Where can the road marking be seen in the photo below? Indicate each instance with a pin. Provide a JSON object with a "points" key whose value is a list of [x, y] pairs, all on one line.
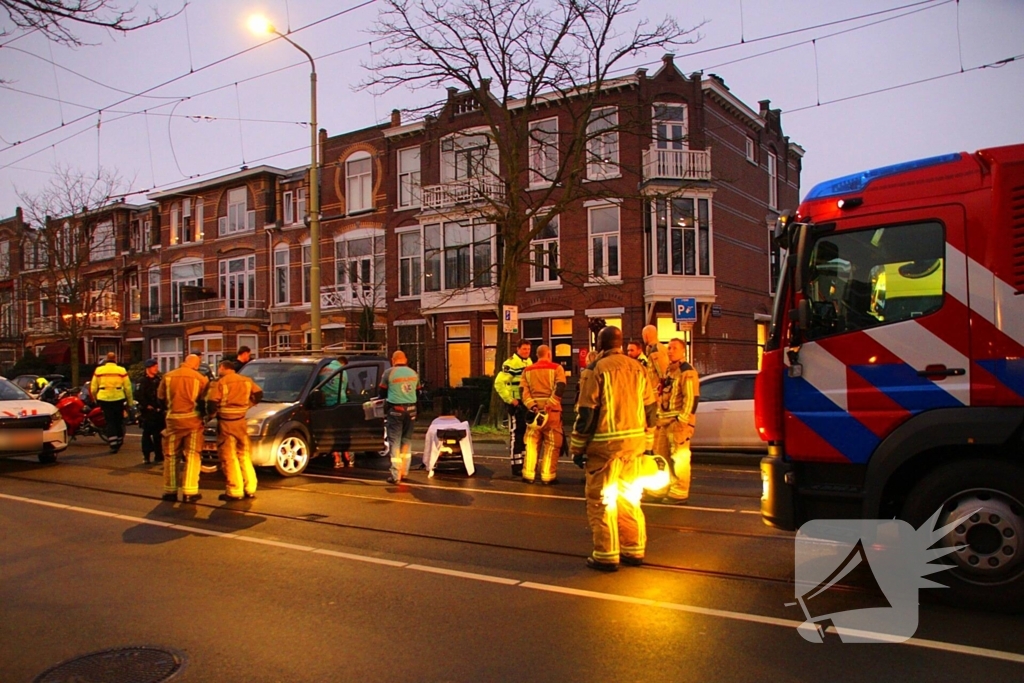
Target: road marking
{"points": [[954, 648]]}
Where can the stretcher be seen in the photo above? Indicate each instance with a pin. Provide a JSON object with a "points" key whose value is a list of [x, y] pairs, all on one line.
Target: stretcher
{"points": [[448, 441]]}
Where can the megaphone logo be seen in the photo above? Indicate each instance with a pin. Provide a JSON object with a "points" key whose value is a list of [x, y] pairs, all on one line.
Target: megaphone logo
{"points": [[890, 558]]}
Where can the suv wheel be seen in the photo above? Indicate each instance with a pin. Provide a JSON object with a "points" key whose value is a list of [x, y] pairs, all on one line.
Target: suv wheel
{"points": [[292, 455]]}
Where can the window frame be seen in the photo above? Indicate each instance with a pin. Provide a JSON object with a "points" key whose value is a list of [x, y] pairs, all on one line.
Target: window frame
{"points": [[104, 247], [364, 180], [409, 178], [593, 277], [603, 146], [541, 251], [414, 276], [669, 142], [543, 151], [773, 181], [369, 268], [279, 270], [245, 218]]}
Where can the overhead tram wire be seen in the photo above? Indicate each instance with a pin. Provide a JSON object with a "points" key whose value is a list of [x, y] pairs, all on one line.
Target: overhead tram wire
{"points": [[216, 62]]}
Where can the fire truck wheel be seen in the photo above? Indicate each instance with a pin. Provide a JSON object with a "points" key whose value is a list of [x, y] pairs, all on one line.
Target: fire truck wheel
{"points": [[988, 570]]}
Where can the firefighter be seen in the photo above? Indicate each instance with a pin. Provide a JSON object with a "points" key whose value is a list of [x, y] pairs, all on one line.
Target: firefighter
{"points": [[543, 384], [507, 386], [182, 391], [399, 387], [616, 406], [230, 397], [657, 355], [112, 389], [678, 395]]}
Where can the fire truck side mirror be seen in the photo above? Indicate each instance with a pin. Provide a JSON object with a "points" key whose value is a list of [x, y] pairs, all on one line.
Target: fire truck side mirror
{"points": [[803, 314]]}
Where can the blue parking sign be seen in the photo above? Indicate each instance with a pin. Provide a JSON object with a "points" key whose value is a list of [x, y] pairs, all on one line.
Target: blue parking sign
{"points": [[684, 309]]}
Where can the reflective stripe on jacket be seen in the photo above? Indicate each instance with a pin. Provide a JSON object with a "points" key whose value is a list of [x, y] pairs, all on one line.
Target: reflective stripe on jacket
{"points": [[110, 382], [540, 386], [507, 381], [679, 394], [233, 394], [618, 393], [181, 389]]}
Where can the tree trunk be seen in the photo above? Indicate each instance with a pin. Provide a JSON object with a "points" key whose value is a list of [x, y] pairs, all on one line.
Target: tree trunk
{"points": [[508, 283]]}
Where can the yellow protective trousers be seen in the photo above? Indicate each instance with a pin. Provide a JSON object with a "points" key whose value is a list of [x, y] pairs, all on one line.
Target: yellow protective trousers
{"points": [[185, 434], [233, 446], [546, 442], [613, 506], [672, 442]]}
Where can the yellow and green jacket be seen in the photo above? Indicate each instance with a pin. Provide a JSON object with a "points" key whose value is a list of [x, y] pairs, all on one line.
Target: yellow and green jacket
{"points": [[110, 382], [679, 394], [616, 406], [507, 381]]}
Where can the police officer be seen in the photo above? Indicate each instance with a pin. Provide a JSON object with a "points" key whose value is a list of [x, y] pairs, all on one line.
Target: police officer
{"points": [[112, 389], [507, 386], [399, 386], [152, 412], [543, 384], [243, 356], [677, 407], [182, 391], [635, 350], [615, 407], [230, 396]]}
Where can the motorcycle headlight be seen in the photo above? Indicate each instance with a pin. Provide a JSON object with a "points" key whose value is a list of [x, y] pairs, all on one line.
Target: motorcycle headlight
{"points": [[254, 426]]}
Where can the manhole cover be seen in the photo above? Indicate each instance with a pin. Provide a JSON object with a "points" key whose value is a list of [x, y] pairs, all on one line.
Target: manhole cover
{"points": [[119, 665]]}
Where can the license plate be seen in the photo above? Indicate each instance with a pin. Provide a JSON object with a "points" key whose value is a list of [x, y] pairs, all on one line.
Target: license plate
{"points": [[21, 440]]}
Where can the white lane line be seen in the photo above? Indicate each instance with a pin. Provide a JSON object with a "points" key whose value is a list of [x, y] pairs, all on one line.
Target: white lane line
{"points": [[954, 648], [359, 558], [464, 575], [90, 511]]}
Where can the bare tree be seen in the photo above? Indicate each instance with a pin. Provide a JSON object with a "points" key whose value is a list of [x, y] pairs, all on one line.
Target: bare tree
{"points": [[510, 58], [55, 18], [71, 224]]}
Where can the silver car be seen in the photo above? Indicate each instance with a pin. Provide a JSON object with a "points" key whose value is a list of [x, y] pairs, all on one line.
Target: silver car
{"points": [[725, 413]]}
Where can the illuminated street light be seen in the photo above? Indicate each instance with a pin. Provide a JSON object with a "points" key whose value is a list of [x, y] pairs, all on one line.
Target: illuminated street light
{"points": [[262, 26]]}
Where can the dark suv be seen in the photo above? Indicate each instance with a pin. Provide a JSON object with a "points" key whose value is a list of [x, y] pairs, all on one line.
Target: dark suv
{"points": [[304, 414]]}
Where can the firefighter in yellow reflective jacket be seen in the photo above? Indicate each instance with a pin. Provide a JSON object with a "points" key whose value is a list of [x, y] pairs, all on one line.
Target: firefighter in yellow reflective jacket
{"points": [[615, 408], [181, 390], [112, 389], [230, 396], [507, 385], [543, 384], [677, 407]]}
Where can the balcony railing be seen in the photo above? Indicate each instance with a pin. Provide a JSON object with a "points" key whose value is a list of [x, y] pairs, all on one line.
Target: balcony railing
{"points": [[344, 297], [44, 325], [677, 164], [107, 320], [463, 192], [208, 309], [151, 314]]}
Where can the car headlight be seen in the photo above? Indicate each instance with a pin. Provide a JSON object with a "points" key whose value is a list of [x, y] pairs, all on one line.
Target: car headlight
{"points": [[55, 418], [254, 426]]}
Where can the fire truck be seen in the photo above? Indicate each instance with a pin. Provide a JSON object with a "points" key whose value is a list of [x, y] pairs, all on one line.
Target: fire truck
{"points": [[892, 383]]}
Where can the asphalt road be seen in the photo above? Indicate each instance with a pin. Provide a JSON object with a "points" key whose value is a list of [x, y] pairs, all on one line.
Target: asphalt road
{"points": [[336, 575]]}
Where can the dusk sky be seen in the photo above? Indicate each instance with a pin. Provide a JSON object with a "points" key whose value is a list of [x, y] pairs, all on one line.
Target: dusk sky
{"points": [[920, 59]]}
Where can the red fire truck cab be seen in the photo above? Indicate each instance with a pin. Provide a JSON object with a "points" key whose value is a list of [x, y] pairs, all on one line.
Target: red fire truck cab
{"points": [[893, 380]]}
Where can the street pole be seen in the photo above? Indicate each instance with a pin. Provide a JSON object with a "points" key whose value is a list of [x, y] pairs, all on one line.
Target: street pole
{"points": [[314, 204]]}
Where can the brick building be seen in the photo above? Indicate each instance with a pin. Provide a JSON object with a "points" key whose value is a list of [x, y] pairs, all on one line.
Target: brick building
{"points": [[687, 182]]}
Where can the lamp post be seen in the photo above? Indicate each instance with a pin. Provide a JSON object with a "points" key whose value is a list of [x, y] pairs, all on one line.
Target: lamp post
{"points": [[261, 25]]}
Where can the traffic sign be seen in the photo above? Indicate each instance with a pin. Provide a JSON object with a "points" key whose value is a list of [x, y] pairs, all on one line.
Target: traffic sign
{"points": [[510, 319], [684, 309]]}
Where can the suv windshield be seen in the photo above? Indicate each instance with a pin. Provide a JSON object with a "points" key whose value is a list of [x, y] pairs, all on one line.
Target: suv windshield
{"points": [[281, 382]]}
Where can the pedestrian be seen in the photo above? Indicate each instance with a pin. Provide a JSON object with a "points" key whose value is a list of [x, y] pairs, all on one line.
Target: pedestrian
{"points": [[678, 396], [182, 391], [657, 355], [399, 386], [543, 384], [616, 405], [335, 393], [243, 356], [152, 412], [506, 383], [635, 350], [112, 389], [229, 398]]}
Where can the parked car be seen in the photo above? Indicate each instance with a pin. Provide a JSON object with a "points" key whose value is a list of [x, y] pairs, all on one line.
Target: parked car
{"points": [[296, 421], [28, 426], [725, 413]]}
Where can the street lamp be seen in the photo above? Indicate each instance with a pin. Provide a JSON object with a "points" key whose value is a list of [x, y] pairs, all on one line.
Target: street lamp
{"points": [[262, 26]]}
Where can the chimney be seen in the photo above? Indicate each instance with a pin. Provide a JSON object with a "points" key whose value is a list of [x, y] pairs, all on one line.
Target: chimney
{"points": [[668, 59], [396, 118], [765, 106], [485, 85]]}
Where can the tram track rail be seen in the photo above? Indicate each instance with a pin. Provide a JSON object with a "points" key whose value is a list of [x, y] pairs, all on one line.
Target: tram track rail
{"points": [[313, 519]]}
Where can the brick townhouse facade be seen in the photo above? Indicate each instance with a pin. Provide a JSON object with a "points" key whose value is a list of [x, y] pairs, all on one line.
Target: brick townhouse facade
{"points": [[690, 183]]}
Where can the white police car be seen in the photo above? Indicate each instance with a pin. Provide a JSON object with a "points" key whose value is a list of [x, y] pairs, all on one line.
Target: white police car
{"points": [[28, 426]]}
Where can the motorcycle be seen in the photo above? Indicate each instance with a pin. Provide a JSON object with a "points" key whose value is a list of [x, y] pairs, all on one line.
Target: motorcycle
{"points": [[82, 416]]}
